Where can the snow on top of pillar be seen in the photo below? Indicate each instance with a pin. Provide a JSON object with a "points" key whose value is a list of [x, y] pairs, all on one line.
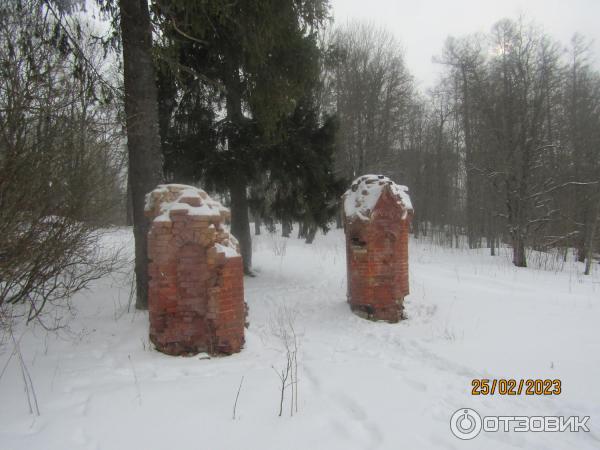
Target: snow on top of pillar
{"points": [[364, 193], [230, 250], [173, 198], [177, 197]]}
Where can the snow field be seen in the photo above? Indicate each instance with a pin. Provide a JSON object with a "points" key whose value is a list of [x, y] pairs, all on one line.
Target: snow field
{"points": [[362, 385]]}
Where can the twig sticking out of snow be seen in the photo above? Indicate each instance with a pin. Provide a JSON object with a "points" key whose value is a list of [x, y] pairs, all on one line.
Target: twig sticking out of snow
{"points": [[237, 396], [135, 378], [27, 382], [283, 328], [283, 377], [132, 291], [294, 403]]}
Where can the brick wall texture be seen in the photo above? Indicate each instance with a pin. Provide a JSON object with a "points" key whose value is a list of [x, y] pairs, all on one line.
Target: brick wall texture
{"points": [[196, 293], [377, 259]]}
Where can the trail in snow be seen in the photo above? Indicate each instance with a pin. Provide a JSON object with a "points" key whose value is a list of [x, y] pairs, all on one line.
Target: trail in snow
{"points": [[362, 385]]}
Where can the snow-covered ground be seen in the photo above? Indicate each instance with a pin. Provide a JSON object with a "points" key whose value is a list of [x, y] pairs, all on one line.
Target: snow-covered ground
{"points": [[362, 385]]}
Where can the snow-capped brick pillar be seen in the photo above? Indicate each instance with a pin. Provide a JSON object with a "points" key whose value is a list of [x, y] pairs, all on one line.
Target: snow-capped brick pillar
{"points": [[377, 214], [195, 293]]}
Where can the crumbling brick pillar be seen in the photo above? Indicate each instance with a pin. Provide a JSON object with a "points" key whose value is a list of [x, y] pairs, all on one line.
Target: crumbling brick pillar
{"points": [[195, 293], [377, 214]]}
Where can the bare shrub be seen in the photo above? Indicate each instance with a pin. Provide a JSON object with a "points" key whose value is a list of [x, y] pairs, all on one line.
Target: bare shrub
{"points": [[60, 164], [279, 247], [283, 328], [45, 260]]}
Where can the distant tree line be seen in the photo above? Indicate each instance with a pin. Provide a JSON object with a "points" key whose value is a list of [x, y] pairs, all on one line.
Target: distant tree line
{"points": [[504, 150]]}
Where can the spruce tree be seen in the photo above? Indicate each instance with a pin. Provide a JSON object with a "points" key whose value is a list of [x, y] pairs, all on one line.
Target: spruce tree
{"points": [[259, 58]]}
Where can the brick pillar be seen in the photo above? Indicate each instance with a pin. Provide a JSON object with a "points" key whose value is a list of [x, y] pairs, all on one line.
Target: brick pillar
{"points": [[377, 213], [196, 293]]}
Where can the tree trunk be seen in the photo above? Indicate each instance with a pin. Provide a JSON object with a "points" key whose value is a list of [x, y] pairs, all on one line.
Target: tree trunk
{"points": [[301, 230], [471, 203], [581, 245], [589, 250], [143, 140], [515, 222], [240, 224], [519, 258], [310, 235], [590, 235], [257, 226], [492, 241], [128, 204], [286, 228]]}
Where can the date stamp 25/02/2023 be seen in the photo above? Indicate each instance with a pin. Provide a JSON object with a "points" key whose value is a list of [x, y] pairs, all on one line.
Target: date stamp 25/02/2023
{"points": [[508, 386]]}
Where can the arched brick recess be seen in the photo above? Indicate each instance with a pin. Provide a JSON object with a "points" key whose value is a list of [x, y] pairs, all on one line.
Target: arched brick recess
{"points": [[196, 294]]}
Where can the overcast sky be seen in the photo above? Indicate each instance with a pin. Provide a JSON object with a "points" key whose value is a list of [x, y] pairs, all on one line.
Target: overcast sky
{"points": [[423, 25]]}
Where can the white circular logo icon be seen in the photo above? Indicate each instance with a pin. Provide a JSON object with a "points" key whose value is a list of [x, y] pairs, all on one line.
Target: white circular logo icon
{"points": [[465, 424]]}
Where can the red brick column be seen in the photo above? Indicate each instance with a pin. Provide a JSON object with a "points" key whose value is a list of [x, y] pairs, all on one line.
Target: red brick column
{"points": [[376, 224], [196, 294]]}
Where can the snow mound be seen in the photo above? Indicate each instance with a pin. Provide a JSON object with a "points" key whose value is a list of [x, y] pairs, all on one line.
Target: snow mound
{"points": [[180, 197], [365, 191]]}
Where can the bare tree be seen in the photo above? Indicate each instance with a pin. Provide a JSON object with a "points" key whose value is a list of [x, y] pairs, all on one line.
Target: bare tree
{"points": [[465, 60], [508, 103], [581, 140], [523, 78], [55, 137], [370, 88]]}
